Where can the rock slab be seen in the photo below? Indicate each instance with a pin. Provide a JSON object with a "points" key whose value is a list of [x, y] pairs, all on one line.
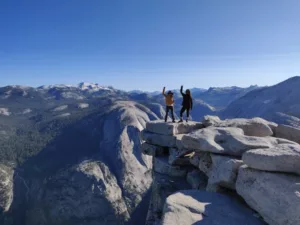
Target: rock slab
{"points": [[288, 132], [159, 139], [251, 127], [282, 158], [161, 127], [225, 140], [199, 207]]}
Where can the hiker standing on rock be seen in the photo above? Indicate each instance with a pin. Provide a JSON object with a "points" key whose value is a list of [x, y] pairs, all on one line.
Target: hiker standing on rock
{"points": [[169, 104], [187, 104]]}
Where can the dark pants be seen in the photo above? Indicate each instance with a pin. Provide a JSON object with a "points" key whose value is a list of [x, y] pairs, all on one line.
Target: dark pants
{"points": [[182, 111], [169, 108]]}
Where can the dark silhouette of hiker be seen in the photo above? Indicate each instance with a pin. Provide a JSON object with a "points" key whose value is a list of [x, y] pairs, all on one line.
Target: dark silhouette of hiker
{"points": [[169, 104], [187, 104]]}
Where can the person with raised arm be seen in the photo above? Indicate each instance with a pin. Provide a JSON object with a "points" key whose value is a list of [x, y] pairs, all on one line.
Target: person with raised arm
{"points": [[169, 99], [187, 104]]}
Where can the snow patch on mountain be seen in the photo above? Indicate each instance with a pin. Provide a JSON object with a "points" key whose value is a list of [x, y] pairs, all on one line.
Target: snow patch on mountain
{"points": [[4, 112], [60, 108], [26, 111], [71, 95], [63, 115], [83, 105], [92, 87]]}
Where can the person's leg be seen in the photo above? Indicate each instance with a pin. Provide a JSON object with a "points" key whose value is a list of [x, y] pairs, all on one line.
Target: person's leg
{"points": [[172, 112], [181, 113], [167, 112], [187, 115]]}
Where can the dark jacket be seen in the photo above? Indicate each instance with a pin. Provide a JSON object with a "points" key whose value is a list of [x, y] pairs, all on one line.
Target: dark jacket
{"points": [[187, 100]]}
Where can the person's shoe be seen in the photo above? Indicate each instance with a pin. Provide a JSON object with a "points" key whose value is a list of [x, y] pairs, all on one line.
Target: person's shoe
{"points": [[180, 121], [173, 121]]}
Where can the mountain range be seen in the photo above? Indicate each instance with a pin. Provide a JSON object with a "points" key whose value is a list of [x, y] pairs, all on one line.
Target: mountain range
{"points": [[69, 154]]}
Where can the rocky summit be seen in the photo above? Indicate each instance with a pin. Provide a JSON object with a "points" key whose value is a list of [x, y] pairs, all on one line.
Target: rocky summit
{"points": [[234, 171], [94, 155]]}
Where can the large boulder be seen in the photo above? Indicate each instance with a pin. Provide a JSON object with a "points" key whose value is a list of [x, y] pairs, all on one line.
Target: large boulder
{"points": [[161, 127], [162, 187], [200, 207], [282, 158], [159, 139], [224, 171], [6, 188], [288, 132], [226, 140], [276, 197], [251, 127], [162, 166]]}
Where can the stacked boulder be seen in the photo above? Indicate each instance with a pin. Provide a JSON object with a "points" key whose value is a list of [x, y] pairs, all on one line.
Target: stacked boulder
{"points": [[171, 163], [248, 158]]}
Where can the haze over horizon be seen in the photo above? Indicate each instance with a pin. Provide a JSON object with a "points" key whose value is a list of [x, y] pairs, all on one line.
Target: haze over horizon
{"points": [[136, 45]]}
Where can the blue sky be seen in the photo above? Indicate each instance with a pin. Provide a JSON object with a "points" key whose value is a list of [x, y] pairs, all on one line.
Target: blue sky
{"points": [[147, 44]]}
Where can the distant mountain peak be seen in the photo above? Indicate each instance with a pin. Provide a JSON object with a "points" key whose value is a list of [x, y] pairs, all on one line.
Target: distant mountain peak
{"points": [[92, 86]]}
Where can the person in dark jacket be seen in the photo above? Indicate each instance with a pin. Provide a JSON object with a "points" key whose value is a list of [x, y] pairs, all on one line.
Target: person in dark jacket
{"points": [[187, 104], [169, 99]]}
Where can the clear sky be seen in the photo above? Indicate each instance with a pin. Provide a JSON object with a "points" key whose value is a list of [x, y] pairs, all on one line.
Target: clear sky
{"points": [[147, 44]]}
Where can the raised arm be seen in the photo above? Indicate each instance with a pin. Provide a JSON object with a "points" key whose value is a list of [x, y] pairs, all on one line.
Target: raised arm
{"points": [[163, 92], [182, 91]]}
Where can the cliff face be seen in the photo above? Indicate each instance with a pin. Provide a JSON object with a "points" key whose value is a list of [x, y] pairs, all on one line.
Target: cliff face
{"points": [[202, 171], [92, 173]]}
